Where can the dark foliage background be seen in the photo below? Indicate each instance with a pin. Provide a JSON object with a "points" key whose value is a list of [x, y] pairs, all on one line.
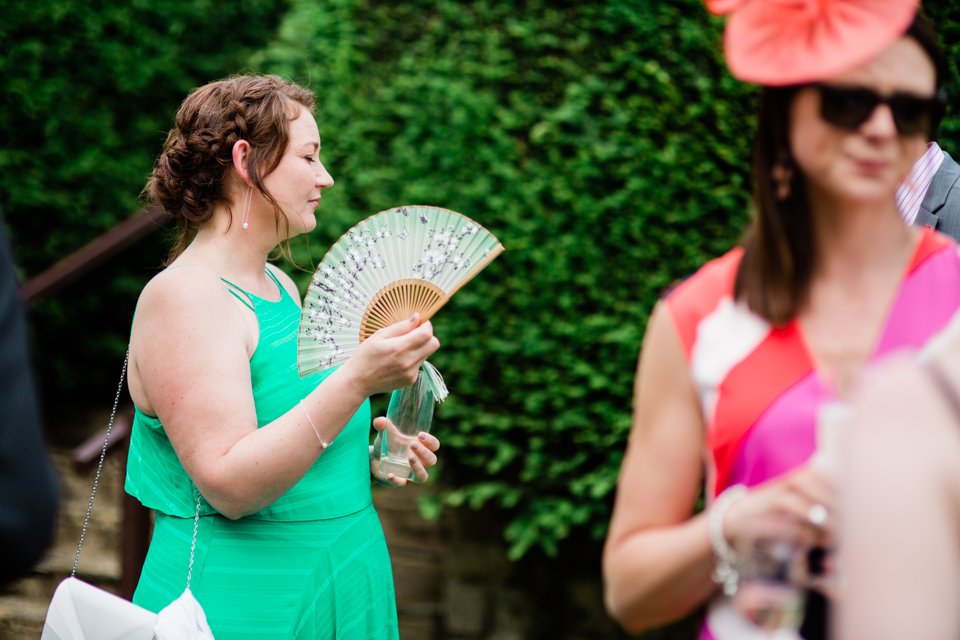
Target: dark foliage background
{"points": [[89, 92], [604, 143]]}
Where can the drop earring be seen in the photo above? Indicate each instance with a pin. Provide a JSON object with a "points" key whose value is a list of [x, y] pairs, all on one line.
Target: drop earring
{"points": [[782, 174], [246, 209]]}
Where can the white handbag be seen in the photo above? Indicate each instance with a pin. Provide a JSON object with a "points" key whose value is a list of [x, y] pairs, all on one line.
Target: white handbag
{"points": [[81, 611]]}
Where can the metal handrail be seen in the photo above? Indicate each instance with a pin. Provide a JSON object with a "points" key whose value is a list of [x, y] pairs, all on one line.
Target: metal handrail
{"points": [[135, 528], [98, 250]]}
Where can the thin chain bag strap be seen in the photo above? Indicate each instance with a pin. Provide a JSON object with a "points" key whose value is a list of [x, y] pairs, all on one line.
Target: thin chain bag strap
{"points": [[103, 455], [81, 610], [105, 612], [193, 542], [96, 482], [184, 618]]}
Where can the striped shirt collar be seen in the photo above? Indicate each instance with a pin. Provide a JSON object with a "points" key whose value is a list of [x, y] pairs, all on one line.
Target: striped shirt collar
{"points": [[911, 191]]}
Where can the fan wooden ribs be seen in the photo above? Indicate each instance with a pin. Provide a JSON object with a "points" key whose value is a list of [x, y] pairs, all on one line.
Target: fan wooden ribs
{"points": [[398, 301]]}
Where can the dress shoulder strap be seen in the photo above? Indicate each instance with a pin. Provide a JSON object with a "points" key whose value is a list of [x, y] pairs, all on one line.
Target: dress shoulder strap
{"points": [[935, 372], [239, 293], [276, 280]]}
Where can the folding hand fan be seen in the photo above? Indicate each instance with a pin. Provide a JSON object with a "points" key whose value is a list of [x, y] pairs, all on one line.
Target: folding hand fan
{"points": [[383, 270]]}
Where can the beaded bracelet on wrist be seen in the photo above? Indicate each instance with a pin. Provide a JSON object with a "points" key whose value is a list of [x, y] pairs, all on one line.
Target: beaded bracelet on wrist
{"points": [[725, 572]]}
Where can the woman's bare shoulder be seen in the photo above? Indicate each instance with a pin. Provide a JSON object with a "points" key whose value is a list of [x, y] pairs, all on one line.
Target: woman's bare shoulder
{"points": [[190, 300], [285, 281], [179, 285]]}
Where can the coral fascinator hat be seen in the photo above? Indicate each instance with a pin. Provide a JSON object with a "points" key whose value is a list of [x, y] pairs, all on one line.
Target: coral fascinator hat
{"points": [[785, 42]]}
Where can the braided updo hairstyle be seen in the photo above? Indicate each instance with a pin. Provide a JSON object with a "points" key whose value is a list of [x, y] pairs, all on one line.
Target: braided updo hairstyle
{"points": [[189, 177]]}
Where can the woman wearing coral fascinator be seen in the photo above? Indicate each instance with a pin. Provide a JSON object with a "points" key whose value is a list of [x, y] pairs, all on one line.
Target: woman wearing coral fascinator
{"points": [[746, 364]]}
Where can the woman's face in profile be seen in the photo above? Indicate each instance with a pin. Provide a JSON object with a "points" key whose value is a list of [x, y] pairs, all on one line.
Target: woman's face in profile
{"points": [[866, 161], [297, 181]]}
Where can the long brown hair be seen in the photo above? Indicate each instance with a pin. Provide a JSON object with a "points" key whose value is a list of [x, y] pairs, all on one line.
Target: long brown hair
{"points": [[190, 176], [779, 247]]}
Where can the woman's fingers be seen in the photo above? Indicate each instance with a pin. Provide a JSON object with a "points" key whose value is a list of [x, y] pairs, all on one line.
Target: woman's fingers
{"points": [[406, 333], [421, 343], [816, 486], [396, 481], [382, 422], [429, 440], [816, 507], [797, 506], [399, 328], [391, 357], [419, 471], [424, 456]]}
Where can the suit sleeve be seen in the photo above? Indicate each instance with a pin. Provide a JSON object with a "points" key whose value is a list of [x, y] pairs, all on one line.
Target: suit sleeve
{"points": [[950, 214], [29, 490]]}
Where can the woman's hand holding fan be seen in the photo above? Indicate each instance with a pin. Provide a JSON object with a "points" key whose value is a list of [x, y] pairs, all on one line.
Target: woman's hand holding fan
{"points": [[391, 357]]}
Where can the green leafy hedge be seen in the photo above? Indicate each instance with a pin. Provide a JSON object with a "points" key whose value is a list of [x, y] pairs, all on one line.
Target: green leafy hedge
{"points": [[607, 147], [602, 142], [90, 91]]}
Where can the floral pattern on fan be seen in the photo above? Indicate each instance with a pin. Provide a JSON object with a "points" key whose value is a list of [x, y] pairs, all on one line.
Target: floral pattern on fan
{"points": [[407, 260]]}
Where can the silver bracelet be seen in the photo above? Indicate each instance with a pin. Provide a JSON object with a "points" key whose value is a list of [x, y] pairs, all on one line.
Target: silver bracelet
{"points": [[323, 444], [725, 572]]}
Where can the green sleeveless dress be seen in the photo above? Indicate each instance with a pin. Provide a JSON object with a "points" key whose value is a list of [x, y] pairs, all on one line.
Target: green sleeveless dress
{"points": [[314, 563]]}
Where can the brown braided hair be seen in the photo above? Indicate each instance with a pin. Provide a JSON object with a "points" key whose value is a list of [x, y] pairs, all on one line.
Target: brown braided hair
{"points": [[189, 177]]}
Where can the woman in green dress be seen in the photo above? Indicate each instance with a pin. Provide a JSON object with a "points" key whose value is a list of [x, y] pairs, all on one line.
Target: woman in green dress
{"points": [[288, 544]]}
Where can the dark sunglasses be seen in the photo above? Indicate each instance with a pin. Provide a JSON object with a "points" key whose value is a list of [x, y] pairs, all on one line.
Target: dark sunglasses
{"points": [[849, 107]]}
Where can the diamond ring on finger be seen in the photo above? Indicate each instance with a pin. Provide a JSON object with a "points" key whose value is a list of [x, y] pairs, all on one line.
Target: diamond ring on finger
{"points": [[817, 515]]}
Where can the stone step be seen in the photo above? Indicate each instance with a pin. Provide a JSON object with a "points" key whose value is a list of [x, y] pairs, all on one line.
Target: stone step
{"points": [[100, 569], [21, 618], [103, 529], [23, 604], [102, 536]]}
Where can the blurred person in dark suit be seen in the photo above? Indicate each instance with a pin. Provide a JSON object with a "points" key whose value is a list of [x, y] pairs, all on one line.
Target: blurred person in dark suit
{"points": [[29, 491]]}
